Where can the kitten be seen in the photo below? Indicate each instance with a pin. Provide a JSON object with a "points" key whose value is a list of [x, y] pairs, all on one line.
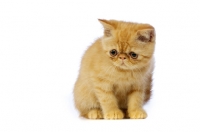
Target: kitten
{"points": [[116, 72]]}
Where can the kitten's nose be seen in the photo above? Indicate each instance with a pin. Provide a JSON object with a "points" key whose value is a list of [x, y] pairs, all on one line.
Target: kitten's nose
{"points": [[122, 56]]}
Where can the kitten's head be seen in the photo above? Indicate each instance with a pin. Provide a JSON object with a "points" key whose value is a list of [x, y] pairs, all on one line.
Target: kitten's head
{"points": [[128, 45]]}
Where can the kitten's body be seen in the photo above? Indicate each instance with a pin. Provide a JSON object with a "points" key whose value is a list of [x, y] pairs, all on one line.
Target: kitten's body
{"points": [[108, 83]]}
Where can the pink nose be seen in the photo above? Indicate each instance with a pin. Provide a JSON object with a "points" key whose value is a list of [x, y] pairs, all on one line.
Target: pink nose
{"points": [[122, 56]]}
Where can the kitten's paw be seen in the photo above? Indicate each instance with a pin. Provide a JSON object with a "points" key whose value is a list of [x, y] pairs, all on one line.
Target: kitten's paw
{"points": [[95, 114], [114, 114], [137, 114]]}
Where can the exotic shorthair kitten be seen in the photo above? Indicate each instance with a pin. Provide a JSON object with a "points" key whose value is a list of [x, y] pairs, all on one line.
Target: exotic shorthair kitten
{"points": [[116, 72]]}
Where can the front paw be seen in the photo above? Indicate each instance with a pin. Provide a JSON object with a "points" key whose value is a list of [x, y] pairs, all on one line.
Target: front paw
{"points": [[114, 114], [137, 114], [95, 114]]}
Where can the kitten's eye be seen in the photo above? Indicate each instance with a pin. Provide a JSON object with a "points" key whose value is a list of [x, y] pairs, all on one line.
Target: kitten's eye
{"points": [[113, 52], [133, 55]]}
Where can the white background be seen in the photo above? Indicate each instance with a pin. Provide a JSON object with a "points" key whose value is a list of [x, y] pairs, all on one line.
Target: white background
{"points": [[41, 45]]}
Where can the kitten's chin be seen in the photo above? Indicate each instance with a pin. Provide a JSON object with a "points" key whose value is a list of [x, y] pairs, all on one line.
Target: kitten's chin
{"points": [[126, 67]]}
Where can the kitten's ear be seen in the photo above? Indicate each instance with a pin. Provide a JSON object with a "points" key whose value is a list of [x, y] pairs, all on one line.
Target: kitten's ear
{"points": [[107, 27], [146, 35]]}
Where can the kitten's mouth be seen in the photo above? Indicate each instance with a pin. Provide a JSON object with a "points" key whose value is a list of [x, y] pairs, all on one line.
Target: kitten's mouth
{"points": [[123, 64]]}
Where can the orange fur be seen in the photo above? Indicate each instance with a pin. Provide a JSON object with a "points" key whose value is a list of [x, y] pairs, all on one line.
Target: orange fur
{"points": [[109, 84]]}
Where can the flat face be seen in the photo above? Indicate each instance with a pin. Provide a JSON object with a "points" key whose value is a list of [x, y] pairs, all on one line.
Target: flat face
{"points": [[129, 45]]}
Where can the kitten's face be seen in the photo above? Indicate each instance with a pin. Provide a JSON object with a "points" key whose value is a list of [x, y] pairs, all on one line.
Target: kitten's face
{"points": [[128, 45]]}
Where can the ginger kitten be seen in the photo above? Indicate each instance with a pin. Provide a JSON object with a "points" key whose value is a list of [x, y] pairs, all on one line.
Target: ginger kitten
{"points": [[116, 72]]}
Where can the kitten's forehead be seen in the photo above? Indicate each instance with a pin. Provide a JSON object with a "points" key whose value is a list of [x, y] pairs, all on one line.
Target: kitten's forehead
{"points": [[125, 39], [124, 36], [126, 31], [123, 46]]}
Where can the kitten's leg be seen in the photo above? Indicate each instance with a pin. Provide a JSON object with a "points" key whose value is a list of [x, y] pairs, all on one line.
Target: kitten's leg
{"points": [[135, 102], [86, 102], [108, 101]]}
